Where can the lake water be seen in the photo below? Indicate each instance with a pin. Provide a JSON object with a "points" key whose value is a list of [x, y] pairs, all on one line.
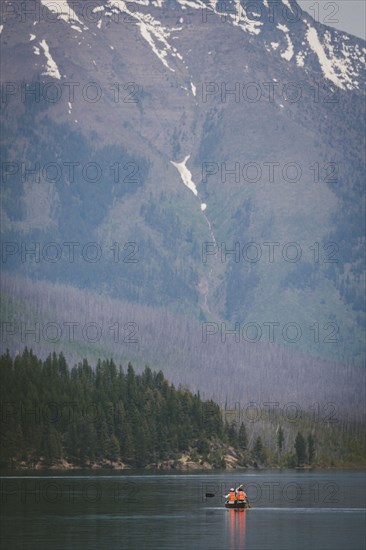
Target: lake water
{"points": [[290, 511]]}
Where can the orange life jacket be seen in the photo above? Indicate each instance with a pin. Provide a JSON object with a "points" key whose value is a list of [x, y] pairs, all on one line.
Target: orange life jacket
{"points": [[242, 495], [232, 496]]}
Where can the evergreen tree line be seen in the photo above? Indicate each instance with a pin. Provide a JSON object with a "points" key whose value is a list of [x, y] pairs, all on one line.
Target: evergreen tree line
{"points": [[304, 448], [85, 415]]}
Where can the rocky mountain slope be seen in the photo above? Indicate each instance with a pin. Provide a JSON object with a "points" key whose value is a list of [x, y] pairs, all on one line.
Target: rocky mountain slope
{"points": [[169, 133]]}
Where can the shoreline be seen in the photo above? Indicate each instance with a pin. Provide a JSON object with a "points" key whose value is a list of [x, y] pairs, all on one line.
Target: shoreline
{"points": [[176, 466]]}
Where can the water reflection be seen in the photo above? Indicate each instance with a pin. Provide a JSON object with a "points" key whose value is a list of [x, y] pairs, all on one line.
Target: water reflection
{"points": [[237, 529]]}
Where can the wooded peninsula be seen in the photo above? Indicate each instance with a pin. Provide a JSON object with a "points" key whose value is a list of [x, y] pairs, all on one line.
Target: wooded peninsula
{"points": [[54, 416]]}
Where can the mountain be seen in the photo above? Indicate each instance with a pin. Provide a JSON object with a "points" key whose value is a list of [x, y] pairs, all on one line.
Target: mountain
{"points": [[143, 141]]}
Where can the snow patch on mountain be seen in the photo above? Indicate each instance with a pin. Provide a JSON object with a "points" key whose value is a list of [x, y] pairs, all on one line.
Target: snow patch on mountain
{"points": [[151, 30], [185, 174], [300, 59], [32, 37], [288, 54], [148, 30], [282, 28], [63, 10], [343, 66], [239, 19], [52, 69], [248, 25], [197, 4], [340, 60], [336, 62], [325, 63], [287, 4]]}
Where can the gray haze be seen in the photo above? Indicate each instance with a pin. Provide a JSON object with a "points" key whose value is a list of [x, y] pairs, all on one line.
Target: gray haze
{"points": [[345, 15]]}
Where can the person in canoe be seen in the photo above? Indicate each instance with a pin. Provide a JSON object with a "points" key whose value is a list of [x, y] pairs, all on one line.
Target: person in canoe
{"points": [[237, 498], [241, 496], [231, 496]]}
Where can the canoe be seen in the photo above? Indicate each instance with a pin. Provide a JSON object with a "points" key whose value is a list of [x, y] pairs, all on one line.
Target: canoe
{"points": [[236, 505]]}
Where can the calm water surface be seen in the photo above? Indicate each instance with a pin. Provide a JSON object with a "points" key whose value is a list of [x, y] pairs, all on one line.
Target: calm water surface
{"points": [[290, 511]]}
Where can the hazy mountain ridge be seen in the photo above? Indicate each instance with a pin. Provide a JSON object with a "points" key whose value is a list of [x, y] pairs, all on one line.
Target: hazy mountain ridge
{"points": [[47, 317]]}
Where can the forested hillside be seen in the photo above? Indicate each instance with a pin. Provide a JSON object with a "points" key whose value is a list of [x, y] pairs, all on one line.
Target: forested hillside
{"points": [[48, 317], [87, 415], [52, 415]]}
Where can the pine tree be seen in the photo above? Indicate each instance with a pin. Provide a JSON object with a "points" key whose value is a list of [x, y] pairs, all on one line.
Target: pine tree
{"points": [[243, 438], [280, 439], [258, 450], [232, 434], [88, 442], [203, 447], [128, 445], [51, 443], [113, 449], [300, 448], [131, 384], [103, 439], [311, 448]]}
